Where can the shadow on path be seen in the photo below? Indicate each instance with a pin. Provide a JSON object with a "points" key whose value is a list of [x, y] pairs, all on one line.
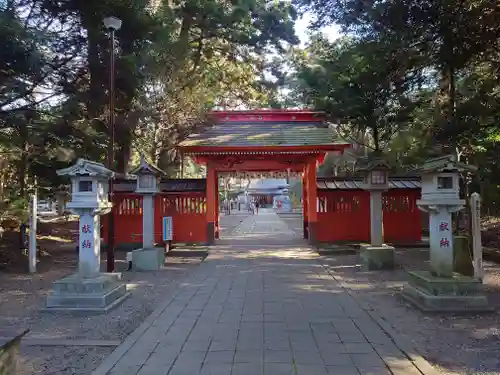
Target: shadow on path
{"points": [[260, 304]]}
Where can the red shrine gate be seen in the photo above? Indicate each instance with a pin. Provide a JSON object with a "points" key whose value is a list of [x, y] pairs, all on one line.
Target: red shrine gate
{"points": [[263, 142], [279, 144]]}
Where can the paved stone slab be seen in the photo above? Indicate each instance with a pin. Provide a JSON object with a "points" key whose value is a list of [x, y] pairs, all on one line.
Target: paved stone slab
{"points": [[260, 304]]}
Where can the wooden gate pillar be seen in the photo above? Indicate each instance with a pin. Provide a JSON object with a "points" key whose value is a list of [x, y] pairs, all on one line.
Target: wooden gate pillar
{"points": [[211, 191], [304, 203], [312, 210], [217, 207]]}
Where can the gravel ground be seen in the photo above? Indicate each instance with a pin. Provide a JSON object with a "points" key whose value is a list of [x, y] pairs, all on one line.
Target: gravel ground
{"points": [[22, 297], [454, 344], [62, 360], [461, 345]]}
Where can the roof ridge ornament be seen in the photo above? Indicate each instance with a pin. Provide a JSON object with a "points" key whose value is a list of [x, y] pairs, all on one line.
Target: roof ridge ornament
{"points": [[84, 167], [146, 167]]}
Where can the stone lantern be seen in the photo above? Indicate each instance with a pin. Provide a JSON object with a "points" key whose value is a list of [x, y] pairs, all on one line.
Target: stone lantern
{"points": [[148, 181], [376, 255], [88, 289], [148, 177], [440, 197], [440, 289]]}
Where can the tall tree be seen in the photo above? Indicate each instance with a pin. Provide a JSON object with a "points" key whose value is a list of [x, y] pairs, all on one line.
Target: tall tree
{"points": [[443, 36], [358, 87]]}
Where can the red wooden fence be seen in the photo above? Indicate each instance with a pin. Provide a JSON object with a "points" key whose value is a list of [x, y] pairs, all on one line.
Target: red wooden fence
{"points": [[184, 200], [127, 210], [188, 211], [344, 215], [402, 218]]}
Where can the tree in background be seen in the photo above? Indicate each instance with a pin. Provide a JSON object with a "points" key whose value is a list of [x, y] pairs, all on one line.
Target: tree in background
{"points": [[358, 87], [438, 56], [175, 61]]}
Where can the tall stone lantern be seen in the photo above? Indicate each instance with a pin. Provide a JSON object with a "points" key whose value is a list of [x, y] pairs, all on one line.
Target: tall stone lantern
{"points": [[376, 255], [88, 289], [440, 289], [148, 181]]}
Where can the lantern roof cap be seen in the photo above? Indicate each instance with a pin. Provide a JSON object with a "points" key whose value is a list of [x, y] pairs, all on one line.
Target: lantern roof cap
{"points": [[146, 167], [84, 167], [446, 163], [375, 161]]}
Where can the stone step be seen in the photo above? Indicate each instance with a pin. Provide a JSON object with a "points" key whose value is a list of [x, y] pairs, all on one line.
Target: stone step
{"points": [[88, 301], [456, 285], [445, 303]]}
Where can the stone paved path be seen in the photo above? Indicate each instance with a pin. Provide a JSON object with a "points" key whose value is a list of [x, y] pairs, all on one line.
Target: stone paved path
{"points": [[257, 307]]}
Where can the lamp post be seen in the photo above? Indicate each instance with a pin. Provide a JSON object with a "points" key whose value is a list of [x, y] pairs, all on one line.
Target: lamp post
{"points": [[112, 24]]}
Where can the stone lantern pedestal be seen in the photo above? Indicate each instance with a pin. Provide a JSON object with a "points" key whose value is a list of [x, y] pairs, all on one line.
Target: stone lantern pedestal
{"points": [[441, 289], [89, 290]]}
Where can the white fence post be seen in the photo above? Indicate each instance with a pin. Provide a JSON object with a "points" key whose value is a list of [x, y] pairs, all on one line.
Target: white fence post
{"points": [[32, 238]]}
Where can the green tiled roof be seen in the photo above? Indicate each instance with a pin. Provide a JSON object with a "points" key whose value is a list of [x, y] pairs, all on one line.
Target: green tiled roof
{"points": [[245, 134]]}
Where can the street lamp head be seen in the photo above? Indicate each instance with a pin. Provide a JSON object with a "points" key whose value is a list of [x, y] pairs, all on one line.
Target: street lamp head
{"points": [[112, 23]]}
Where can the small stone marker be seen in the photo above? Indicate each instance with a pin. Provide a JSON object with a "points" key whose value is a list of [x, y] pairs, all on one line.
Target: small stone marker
{"points": [[477, 247]]}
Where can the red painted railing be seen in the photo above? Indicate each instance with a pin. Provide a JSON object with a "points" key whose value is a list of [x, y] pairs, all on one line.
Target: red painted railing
{"points": [[402, 218], [344, 215], [127, 210], [188, 212], [189, 216]]}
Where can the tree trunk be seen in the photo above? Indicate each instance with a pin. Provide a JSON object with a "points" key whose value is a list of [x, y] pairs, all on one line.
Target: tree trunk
{"points": [[123, 149], [445, 107], [97, 88]]}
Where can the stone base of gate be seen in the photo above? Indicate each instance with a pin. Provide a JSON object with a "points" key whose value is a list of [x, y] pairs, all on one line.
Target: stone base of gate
{"points": [[210, 233], [92, 295], [456, 294], [152, 259], [377, 257], [312, 236], [333, 249]]}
